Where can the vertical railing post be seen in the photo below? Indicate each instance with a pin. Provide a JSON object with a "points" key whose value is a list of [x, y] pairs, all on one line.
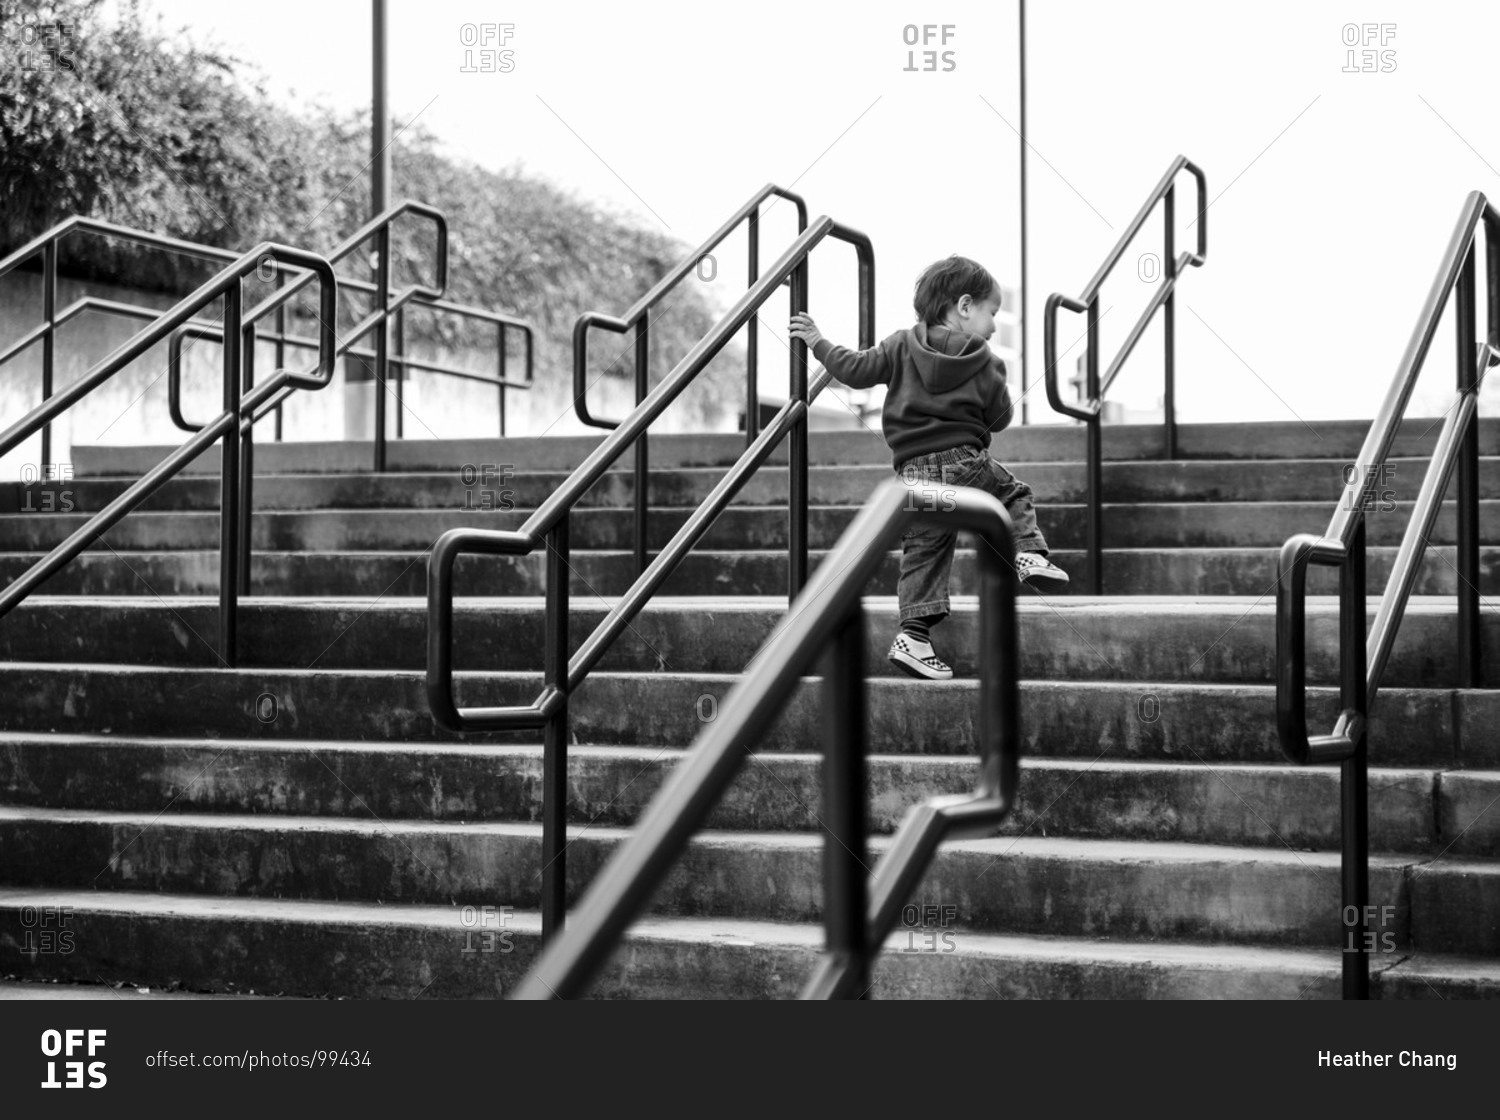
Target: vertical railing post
{"points": [[642, 452], [382, 338], [752, 339], [845, 874], [1095, 456], [49, 312], [503, 362], [555, 737], [400, 362], [796, 558], [229, 483], [280, 339], [1169, 322], [1467, 496], [246, 466], [1354, 779]]}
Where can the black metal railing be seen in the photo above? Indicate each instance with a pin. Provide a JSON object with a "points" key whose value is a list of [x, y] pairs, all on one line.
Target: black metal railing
{"points": [[1362, 659], [53, 320], [1091, 410], [240, 401], [549, 524], [637, 319], [827, 619]]}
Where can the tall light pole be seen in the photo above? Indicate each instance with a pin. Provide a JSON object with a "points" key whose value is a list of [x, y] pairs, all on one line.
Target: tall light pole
{"points": [[380, 116], [1025, 291]]}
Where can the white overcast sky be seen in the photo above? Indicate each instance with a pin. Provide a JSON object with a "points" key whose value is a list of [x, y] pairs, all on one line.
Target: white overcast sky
{"points": [[1333, 192]]}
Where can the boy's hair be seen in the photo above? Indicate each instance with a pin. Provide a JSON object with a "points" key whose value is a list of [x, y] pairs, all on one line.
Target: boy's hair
{"points": [[940, 285]]}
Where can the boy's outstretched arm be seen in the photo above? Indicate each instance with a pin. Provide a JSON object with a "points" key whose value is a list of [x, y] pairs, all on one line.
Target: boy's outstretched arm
{"points": [[858, 369]]}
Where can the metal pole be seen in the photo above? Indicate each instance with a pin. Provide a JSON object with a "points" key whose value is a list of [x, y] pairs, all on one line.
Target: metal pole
{"points": [[280, 340], [380, 180], [1025, 357], [845, 876], [555, 738], [796, 553], [247, 468], [1169, 323], [229, 484], [752, 340], [1095, 465], [1354, 780], [382, 339], [380, 115], [400, 364], [642, 453], [49, 312], [501, 328], [1467, 496]]}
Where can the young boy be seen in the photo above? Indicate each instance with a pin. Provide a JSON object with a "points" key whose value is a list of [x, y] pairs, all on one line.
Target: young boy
{"points": [[946, 395]]}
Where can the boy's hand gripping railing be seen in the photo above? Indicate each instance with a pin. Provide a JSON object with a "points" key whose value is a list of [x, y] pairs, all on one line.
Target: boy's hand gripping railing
{"points": [[827, 620], [1362, 664], [239, 401], [1088, 303], [549, 523], [637, 319]]}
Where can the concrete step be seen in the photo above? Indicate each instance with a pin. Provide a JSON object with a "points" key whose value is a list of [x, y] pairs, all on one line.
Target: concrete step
{"points": [[1118, 720], [1026, 885], [1144, 525], [1290, 439], [363, 950], [1162, 571], [1276, 805], [1079, 638], [1313, 480]]}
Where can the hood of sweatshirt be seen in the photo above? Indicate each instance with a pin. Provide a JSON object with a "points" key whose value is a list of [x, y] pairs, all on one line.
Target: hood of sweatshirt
{"points": [[946, 358]]}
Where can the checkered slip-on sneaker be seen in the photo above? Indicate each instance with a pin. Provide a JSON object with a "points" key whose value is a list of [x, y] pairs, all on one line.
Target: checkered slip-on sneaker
{"points": [[1032, 567], [914, 656]]}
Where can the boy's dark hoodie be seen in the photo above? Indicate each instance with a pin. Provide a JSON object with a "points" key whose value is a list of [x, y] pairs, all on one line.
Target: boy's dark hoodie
{"points": [[946, 388]]}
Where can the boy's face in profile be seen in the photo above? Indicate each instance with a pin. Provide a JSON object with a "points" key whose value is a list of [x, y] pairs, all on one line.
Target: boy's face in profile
{"points": [[975, 316]]}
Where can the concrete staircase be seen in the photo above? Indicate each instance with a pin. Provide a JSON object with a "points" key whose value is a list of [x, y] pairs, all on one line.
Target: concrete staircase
{"points": [[299, 824]]}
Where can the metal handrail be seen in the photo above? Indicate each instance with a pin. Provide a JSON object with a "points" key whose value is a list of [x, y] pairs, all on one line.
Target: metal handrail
{"points": [[1090, 411], [208, 332], [549, 523], [637, 318], [378, 227], [828, 616], [1362, 657], [46, 243], [240, 398]]}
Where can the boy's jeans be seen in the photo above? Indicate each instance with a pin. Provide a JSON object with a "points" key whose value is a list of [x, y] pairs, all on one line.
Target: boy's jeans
{"points": [[927, 552]]}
